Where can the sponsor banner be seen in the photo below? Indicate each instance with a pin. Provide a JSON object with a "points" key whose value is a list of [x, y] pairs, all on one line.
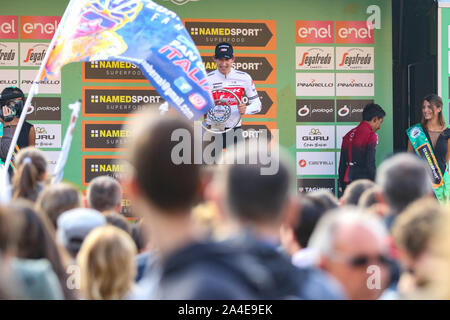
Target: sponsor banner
{"points": [[52, 157], [314, 31], [355, 84], [268, 98], [315, 84], [9, 54], [354, 32], [112, 71], [241, 34], [48, 108], [351, 58], [9, 78], [104, 135], [315, 110], [261, 67], [314, 58], [118, 101], [310, 185], [252, 130], [341, 131], [38, 27], [95, 166], [350, 110], [48, 135], [315, 163], [45, 86], [32, 53], [315, 137], [9, 27], [126, 209]]}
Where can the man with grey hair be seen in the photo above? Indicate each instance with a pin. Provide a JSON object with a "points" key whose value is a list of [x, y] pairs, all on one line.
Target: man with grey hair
{"points": [[105, 195], [351, 248], [403, 179]]}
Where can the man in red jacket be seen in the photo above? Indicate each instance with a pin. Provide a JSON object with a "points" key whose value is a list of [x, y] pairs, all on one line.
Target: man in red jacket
{"points": [[358, 148]]}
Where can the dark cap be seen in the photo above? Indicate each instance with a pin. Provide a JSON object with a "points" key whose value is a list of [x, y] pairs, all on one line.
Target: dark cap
{"points": [[224, 50]]}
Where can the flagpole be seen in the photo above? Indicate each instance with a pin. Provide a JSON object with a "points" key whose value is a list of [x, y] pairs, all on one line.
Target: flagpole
{"points": [[34, 87]]}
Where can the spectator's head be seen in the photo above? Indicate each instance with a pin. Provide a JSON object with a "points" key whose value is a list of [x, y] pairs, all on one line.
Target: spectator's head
{"points": [[252, 198], [403, 179], [36, 242], [348, 241], [328, 199], [140, 236], [56, 199], [104, 194], [432, 108], [373, 114], [370, 197], [169, 188], [31, 166], [413, 230], [297, 237], [354, 191], [118, 221], [107, 264], [74, 225]]}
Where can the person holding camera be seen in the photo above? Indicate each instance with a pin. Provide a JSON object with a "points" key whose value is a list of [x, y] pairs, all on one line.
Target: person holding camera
{"points": [[12, 100]]}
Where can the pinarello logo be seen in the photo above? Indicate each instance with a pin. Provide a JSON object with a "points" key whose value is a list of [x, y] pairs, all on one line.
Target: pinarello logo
{"points": [[302, 163], [197, 100], [354, 32], [38, 27], [9, 27], [314, 31]]}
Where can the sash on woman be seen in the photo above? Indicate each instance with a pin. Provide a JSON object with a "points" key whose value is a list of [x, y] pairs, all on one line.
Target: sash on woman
{"points": [[421, 145]]}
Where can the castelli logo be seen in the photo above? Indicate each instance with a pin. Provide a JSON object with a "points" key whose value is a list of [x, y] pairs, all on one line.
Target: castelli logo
{"points": [[38, 27], [302, 163], [8, 27], [315, 31], [354, 32]]}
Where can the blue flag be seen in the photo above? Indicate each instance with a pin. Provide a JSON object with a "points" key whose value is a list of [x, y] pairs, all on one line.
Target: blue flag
{"points": [[143, 33]]}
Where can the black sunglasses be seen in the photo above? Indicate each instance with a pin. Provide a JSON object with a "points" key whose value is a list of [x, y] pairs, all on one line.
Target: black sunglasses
{"points": [[362, 260]]}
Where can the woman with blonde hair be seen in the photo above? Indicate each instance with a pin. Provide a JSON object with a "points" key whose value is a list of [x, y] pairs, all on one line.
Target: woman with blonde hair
{"points": [[107, 264]]}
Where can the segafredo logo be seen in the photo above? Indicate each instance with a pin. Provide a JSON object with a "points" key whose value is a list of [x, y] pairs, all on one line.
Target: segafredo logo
{"points": [[8, 54], [317, 58], [181, 2], [354, 58], [32, 54]]}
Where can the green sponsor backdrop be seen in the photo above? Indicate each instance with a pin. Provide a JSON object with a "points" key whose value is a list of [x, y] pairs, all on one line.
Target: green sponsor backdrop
{"points": [[284, 13]]}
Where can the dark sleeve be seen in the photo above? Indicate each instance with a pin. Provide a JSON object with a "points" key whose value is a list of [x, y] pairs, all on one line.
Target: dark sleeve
{"points": [[342, 165], [5, 141], [371, 149]]}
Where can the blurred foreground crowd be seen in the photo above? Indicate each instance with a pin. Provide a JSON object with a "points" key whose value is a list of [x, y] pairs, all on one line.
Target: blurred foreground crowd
{"points": [[221, 231]]}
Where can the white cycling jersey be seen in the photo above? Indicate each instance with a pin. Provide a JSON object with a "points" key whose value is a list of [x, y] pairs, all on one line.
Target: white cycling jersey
{"points": [[238, 82]]}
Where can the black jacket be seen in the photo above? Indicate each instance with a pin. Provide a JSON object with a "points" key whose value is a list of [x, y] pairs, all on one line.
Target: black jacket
{"points": [[281, 279], [209, 271]]}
